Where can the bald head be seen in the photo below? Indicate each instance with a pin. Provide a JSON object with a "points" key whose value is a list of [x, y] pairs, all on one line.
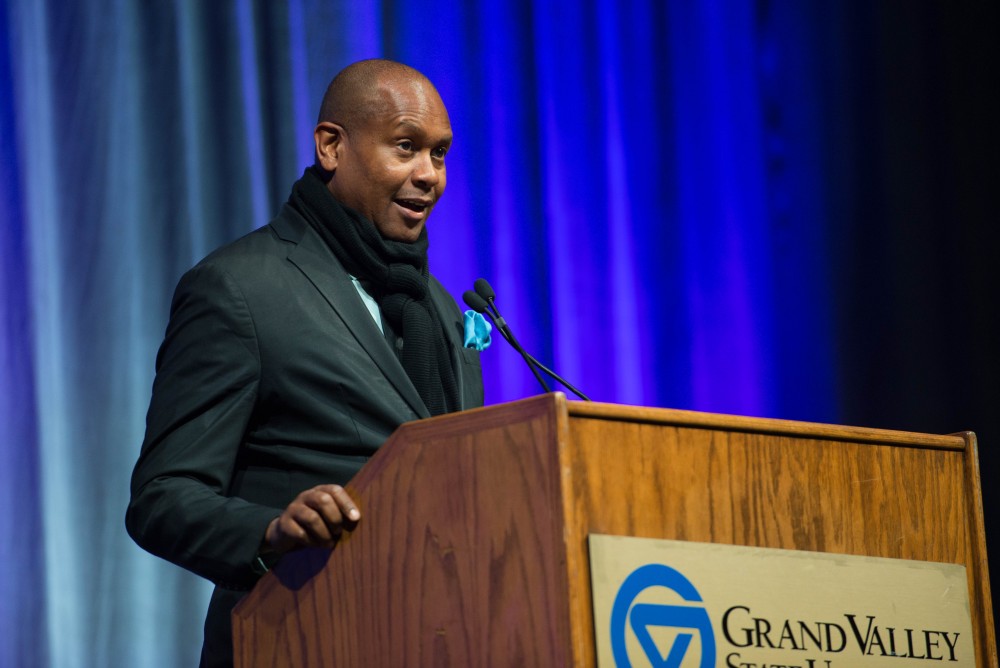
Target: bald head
{"points": [[364, 90], [381, 141]]}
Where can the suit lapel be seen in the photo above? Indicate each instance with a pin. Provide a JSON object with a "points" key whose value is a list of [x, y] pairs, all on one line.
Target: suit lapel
{"points": [[454, 335], [324, 271]]}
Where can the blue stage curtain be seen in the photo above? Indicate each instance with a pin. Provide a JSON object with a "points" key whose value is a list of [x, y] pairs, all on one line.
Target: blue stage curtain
{"points": [[653, 188]]}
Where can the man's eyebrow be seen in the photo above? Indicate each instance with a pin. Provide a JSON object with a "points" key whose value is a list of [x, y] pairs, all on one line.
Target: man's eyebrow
{"points": [[416, 128]]}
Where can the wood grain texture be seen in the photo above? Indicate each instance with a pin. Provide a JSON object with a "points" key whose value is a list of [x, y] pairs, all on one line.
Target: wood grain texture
{"points": [[769, 483], [978, 566], [458, 560], [472, 549]]}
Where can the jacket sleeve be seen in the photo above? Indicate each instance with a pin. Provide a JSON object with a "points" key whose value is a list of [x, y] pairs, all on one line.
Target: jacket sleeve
{"points": [[206, 386]]}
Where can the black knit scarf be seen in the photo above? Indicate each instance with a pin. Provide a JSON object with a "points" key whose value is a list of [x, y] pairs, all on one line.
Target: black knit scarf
{"points": [[397, 274]]}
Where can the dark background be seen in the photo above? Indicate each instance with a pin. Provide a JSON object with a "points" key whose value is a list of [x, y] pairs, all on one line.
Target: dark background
{"points": [[916, 278]]}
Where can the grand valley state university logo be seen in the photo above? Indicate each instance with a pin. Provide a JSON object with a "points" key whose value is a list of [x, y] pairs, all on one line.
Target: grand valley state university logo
{"points": [[684, 620], [795, 609]]}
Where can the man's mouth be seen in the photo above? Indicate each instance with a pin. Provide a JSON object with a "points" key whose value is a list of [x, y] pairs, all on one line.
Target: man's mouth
{"points": [[415, 205]]}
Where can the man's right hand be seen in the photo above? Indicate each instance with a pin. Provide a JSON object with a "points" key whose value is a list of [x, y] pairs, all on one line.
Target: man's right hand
{"points": [[316, 518]]}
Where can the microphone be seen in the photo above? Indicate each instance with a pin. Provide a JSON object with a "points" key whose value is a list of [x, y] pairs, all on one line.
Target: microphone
{"points": [[479, 302], [484, 289], [475, 302], [483, 300]]}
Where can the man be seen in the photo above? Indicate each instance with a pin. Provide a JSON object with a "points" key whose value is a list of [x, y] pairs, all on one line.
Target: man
{"points": [[294, 352]]}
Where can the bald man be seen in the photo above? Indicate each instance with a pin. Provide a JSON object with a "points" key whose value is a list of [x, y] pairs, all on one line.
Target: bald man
{"points": [[294, 352]]}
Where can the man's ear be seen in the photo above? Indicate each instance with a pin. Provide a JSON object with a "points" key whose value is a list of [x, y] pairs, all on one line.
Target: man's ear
{"points": [[329, 138]]}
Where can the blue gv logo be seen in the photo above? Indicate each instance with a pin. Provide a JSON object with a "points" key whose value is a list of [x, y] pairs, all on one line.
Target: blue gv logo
{"points": [[642, 616]]}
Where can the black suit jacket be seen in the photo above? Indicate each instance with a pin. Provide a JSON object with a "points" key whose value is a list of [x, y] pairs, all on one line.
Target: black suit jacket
{"points": [[273, 377]]}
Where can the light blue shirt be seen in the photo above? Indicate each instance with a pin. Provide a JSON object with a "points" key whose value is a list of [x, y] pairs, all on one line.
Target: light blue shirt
{"points": [[370, 303]]}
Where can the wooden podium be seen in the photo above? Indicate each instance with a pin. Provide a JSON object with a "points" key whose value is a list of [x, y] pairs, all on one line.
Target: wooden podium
{"points": [[472, 550]]}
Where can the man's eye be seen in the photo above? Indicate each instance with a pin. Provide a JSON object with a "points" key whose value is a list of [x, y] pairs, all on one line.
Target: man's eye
{"points": [[440, 152], [405, 145]]}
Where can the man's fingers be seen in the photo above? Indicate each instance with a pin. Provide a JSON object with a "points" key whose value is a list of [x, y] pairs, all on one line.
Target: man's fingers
{"points": [[316, 518], [345, 504], [314, 523], [327, 505]]}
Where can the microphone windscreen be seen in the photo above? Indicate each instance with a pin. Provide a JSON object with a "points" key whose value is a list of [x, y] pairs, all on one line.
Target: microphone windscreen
{"points": [[484, 289], [474, 301]]}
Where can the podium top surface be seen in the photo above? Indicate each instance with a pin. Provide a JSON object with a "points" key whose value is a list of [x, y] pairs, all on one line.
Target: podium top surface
{"points": [[676, 417]]}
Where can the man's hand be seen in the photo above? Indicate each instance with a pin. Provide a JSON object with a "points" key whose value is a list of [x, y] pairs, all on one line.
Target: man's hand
{"points": [[316, 518]]}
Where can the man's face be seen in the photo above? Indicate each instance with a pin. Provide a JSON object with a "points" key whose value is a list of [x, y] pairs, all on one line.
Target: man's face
{"points": [[391, 167]]}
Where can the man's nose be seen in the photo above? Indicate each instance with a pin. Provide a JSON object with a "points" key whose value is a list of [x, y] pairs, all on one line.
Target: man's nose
{"points": [[426, 173]]}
